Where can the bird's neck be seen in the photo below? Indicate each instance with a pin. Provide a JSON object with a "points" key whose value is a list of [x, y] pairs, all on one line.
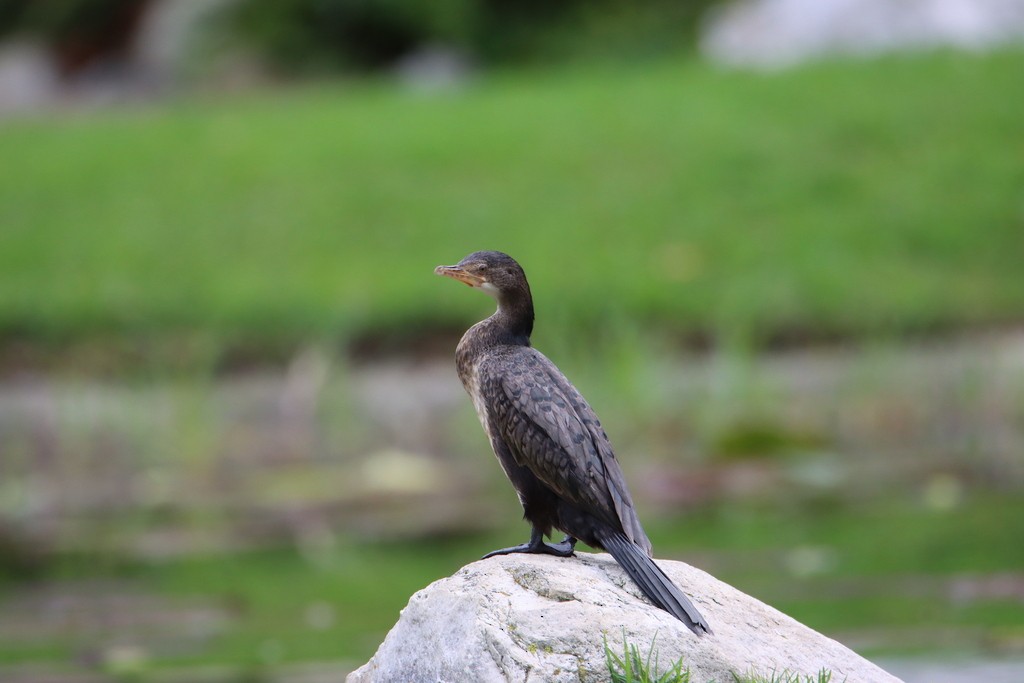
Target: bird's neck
{"points": [[510, 325], [513, 321]]}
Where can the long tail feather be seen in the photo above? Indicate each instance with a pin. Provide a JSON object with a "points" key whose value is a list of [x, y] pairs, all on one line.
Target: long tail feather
{"points": [[652, 581]]}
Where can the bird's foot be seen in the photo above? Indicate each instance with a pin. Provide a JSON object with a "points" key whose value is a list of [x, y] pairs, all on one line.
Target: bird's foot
{"points": [[537, 546]]}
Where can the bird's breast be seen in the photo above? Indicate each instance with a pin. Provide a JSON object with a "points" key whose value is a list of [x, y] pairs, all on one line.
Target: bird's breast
{"points": [[468, 365], [473, 388]]}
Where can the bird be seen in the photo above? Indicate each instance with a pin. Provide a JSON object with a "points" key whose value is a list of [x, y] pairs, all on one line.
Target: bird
{"points": [[548, 440]]}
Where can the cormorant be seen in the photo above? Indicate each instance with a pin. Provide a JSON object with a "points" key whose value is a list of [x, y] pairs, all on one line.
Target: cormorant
{"points": [[548, 439]]}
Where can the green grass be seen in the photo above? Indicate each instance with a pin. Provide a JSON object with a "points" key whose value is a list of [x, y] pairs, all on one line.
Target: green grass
{"points": [[823, 676], [839, 198], [634, 667]]}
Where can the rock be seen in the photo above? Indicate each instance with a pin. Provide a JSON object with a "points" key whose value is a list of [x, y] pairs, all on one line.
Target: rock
{"points": [[775, 33], [434, 68], [167, 38], [28, 77], [542, 618]]}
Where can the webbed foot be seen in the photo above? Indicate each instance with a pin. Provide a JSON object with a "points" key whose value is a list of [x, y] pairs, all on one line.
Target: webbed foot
{"points": [[536, 545]]}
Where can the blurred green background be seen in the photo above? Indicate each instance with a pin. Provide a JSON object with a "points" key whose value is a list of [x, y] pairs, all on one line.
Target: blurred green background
{"points": [[232, 442]]}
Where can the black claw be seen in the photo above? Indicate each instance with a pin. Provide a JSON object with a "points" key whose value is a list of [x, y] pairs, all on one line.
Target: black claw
{"points": [[524, 548]]}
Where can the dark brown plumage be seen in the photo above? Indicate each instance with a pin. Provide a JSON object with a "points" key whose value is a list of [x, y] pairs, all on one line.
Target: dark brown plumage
{"points": [[547, 438]]}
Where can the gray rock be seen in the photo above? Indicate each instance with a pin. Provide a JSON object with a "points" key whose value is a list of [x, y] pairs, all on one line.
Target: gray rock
{"points": [[775, 33], [434, 68], [540, 618], [28, 77], [167, 38]]}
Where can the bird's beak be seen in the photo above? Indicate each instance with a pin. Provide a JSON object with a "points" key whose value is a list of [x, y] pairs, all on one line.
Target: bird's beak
{"points": [[457, 273]]}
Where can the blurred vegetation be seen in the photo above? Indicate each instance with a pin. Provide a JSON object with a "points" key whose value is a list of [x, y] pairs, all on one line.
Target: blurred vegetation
{"points": [[649, 204], [365, 34], [271, 607], [357, 35], [77, 30], [833, 200], [63, 19], [234, 522], [11, 15]]}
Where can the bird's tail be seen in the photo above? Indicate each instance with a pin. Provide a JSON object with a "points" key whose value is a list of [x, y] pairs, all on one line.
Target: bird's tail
{"points": [[653, 582]]}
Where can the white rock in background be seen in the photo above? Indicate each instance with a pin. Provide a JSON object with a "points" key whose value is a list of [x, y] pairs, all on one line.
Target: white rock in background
{"points": [[542, 618], [28, 77], [166, 37], [773, 33], [434, 68]]}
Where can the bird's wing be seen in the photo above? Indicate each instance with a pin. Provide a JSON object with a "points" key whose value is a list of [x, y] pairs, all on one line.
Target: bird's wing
{"points": [[552, 430]]}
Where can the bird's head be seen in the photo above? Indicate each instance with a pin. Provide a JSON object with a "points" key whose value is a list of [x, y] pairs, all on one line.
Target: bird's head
{"points": [[492, 272]]}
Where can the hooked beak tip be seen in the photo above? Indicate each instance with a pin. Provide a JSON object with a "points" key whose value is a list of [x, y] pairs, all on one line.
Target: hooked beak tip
{"points": [[457, 273]]}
